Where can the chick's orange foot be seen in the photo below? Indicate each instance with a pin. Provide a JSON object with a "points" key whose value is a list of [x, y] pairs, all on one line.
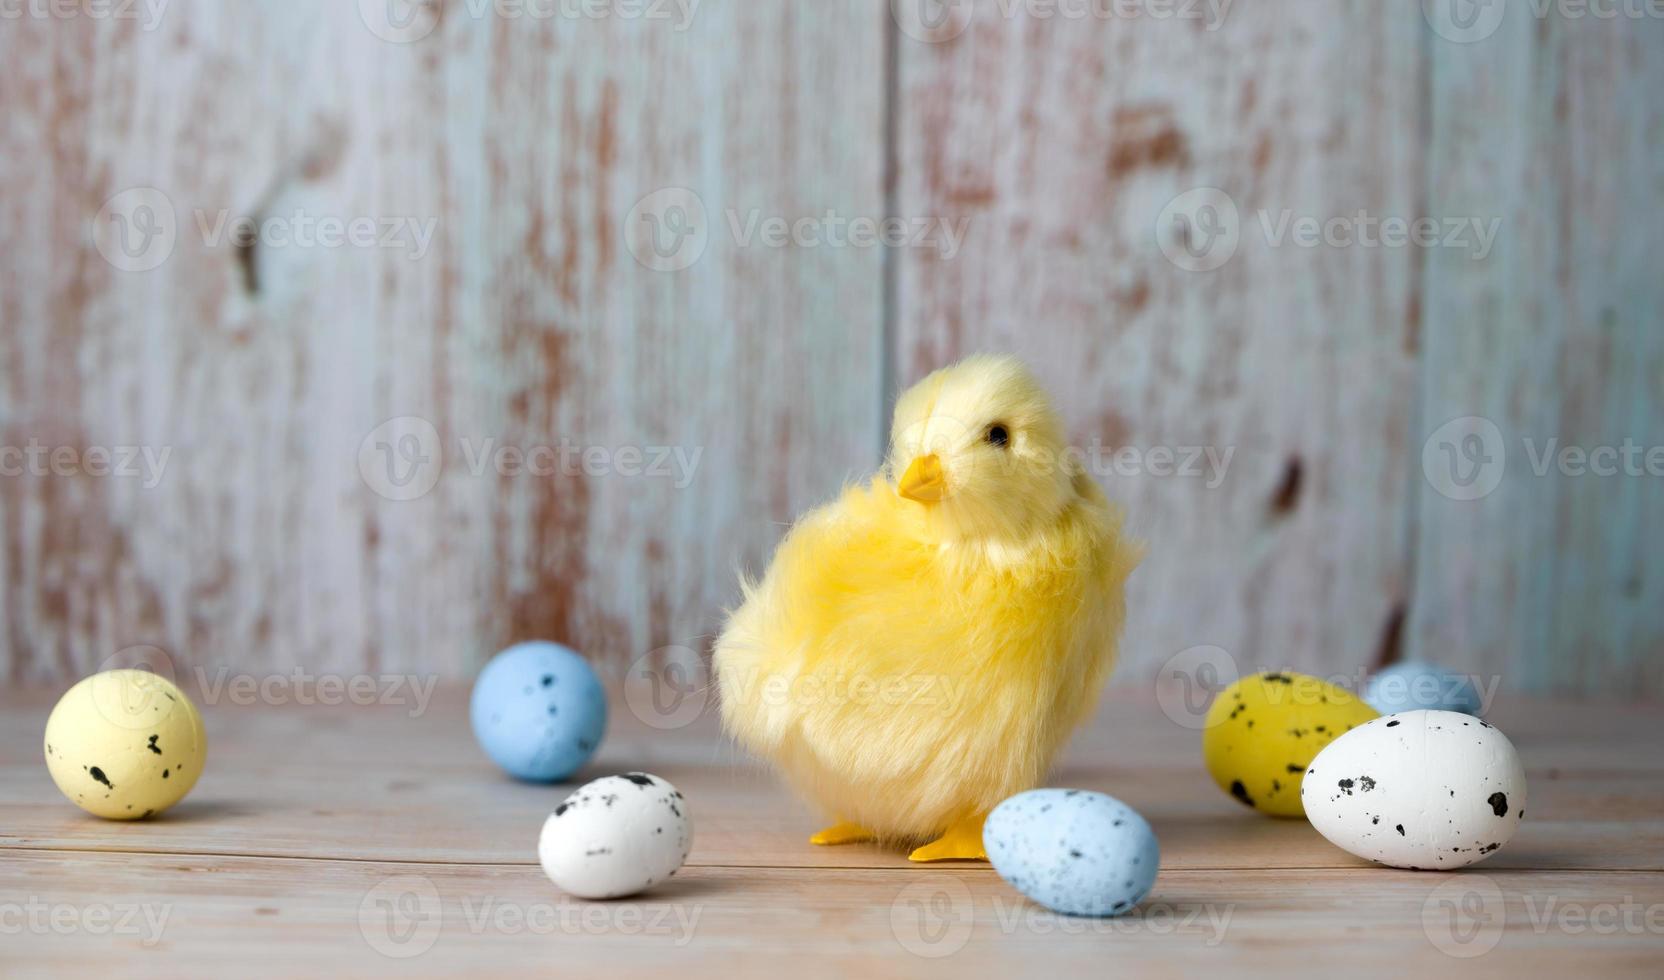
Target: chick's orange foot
{"points": [[960, 842], [842, 832]]}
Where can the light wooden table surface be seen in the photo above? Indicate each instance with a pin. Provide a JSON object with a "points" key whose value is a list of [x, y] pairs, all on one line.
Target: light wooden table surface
{"points": [[364, 840]]}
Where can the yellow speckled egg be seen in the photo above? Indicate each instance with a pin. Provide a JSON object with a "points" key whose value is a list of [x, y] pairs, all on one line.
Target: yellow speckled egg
{"points": [[1263, 731], [125, 744]]}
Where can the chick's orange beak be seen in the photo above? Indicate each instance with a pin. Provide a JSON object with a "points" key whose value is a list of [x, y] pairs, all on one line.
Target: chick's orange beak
{"points": [[923, 480]]}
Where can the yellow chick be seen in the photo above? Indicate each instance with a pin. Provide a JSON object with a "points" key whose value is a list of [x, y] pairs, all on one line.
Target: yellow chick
{"points": [[920, 648]]}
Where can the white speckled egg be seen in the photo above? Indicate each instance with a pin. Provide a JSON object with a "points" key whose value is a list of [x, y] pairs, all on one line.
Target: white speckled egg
{"points": [[1421, 789], [616, 836], [1073, 851]]}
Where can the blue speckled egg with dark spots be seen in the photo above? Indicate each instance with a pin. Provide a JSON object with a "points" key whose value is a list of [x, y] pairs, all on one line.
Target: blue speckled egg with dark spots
{"points": [[539, 711], [1073, 851], [1422, 687]]}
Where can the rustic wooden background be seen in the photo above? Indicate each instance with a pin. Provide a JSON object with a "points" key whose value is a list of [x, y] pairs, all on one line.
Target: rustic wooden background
{"points": [[1057, 141]]}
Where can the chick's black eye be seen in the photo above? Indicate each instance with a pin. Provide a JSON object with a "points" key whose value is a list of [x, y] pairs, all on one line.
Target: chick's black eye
{"points": [[998, 435]]}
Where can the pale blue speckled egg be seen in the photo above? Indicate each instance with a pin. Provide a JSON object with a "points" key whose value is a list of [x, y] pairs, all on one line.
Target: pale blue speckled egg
{"points": [[1073, 851], [539, 711], [1422, 687]]}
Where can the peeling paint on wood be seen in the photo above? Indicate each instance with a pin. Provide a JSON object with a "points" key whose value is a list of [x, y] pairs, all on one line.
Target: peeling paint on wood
{"points": [[526, 324], [1550, 581], [1062, 141]]}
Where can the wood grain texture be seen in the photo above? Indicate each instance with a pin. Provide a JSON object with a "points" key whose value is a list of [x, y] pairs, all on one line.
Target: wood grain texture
{"points": [[1062, 141], [285, 784], [338, 838], [515, 145], [265, 917], [523, 142], [1551, 580]]}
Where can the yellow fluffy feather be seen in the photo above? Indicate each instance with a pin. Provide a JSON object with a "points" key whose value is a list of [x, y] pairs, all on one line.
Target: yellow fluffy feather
{"points": [[920, 648]]}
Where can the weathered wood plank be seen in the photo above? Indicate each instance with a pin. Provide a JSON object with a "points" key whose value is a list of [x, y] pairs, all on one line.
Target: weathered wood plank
{"points": [[1063, 142], [258, 916], [1551, 581], [293, 854], [413, 786], [521, 145]]}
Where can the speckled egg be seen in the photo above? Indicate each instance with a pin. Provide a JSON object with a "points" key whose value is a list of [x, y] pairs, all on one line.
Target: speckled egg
{"points": [[1421, 789], [1262, 732], [125, 744], [539, 711], [1073, 851], [1419, 686], [616, 836]]}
